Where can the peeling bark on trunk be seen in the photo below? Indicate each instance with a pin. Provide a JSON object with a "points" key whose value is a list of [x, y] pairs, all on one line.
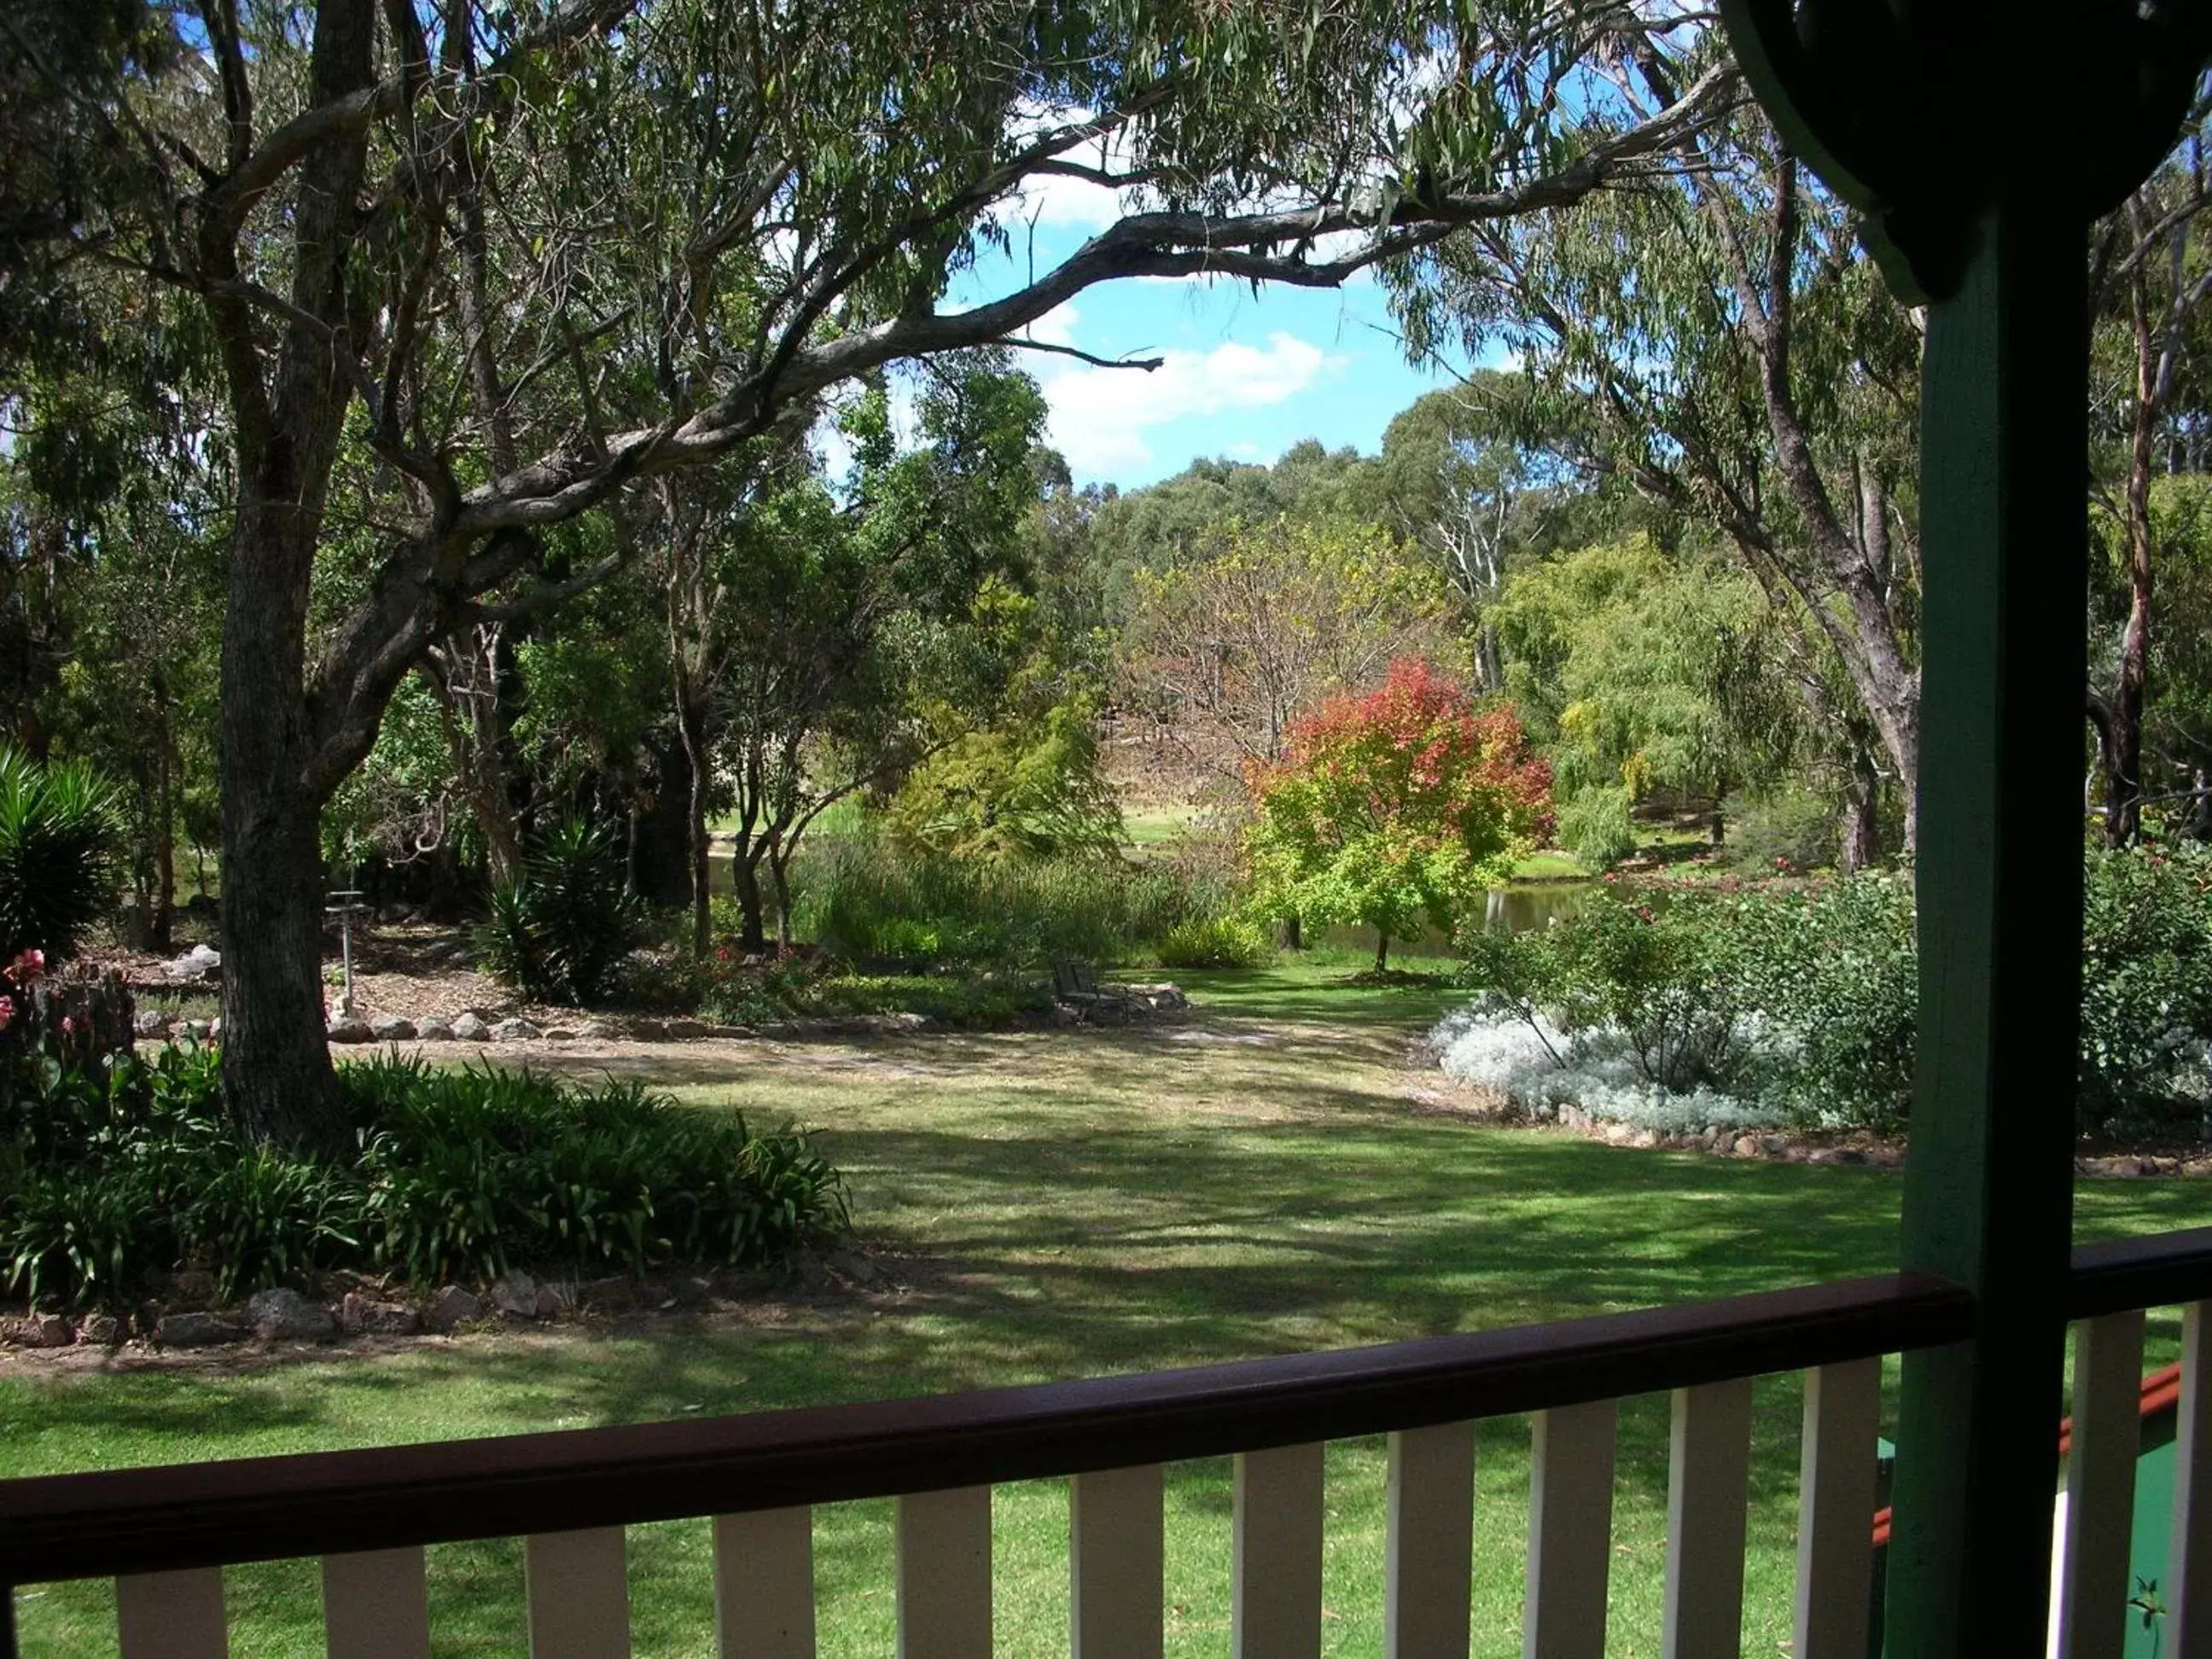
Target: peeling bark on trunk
{"points": [[2123, 749]]}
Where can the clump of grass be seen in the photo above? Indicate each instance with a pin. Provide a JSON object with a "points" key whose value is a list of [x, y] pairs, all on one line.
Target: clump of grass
{"points": [[876, 905]]}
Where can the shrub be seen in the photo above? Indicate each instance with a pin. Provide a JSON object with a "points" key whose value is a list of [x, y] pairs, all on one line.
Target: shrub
{"points": [[1839, 977], [555, 932], [1794, 827], [460, 1175], [1598, 827], [2145, 987], [56, 822], [1806, 1003], [1216, 942]]}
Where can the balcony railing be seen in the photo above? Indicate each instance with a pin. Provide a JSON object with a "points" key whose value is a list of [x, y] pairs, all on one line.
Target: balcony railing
{"points": [[165, 1533]]}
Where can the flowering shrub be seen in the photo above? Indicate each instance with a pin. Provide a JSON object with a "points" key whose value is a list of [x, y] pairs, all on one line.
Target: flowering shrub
{"points": [[1396, 807]]}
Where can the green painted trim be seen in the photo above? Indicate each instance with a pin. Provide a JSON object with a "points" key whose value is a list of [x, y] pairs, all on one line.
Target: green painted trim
{"points": [[1989, 1179]]}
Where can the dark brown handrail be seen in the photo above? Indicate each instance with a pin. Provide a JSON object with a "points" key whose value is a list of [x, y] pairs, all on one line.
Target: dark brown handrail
{"points": [[188, 1515], [2155, 1271]]}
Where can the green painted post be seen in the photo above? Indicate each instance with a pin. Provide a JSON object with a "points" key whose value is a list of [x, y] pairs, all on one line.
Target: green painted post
{"points": [[1979, 138], [1989, 1177]]}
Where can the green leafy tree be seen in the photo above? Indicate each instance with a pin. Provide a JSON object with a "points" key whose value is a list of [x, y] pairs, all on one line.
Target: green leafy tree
{"points": [[1714, 338], [862, 635], [1394, 808], [1643, 673], [473, 271], [1027, 786]]}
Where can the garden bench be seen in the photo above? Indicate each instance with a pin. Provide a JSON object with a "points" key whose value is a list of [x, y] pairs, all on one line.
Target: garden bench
{"points": [[1075, 984]]}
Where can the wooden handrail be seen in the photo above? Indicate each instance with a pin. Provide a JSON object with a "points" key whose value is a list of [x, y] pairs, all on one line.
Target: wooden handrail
{"points": [[192, 1515], [2158, 1270]]}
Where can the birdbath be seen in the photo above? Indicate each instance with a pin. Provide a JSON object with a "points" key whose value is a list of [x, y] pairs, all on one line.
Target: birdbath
{"points": [[345, 906]]}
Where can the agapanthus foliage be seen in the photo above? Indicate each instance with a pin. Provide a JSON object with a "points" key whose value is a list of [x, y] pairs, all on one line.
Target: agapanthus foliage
{"points": [[1396, 807]]}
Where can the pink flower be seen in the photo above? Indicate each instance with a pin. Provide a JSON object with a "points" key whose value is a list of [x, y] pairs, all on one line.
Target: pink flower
{"points": [[1781, 864], [27, 966], [69, 1024], [6, 1012]]}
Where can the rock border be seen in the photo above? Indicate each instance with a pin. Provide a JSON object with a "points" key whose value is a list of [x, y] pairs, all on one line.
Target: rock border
{"points": [[1783, 1146], [187, 1321]]}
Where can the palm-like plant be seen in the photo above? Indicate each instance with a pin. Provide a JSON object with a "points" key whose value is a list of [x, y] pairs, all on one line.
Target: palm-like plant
{"points": [[57, 822], [554, 934]]}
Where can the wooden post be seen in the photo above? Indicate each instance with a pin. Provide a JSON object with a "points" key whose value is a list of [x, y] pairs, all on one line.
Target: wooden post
{"points": [[1989, 1176]]}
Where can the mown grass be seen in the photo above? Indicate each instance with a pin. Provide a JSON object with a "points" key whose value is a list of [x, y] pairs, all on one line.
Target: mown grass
{"points": [[1055, 1205]]}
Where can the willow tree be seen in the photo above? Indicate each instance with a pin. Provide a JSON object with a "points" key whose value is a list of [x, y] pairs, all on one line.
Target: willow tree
{"points": [[475, 267], [1714, 336]]}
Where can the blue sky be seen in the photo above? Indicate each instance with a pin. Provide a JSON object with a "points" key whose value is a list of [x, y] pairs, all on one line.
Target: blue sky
{"points": [[1247, 375]]}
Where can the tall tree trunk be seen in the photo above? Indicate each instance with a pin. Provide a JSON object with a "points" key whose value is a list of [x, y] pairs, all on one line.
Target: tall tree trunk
{"points": [[691, 726], [660, 863], [1861, 843], [276, 1073], [779, 871], [162, 913], [289, 415], [2124, 780], [1381, 949], [744, 875]]}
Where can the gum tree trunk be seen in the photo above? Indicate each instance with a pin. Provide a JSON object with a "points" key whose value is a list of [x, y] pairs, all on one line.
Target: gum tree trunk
{"points": [[289, 408], [276, 1064]]}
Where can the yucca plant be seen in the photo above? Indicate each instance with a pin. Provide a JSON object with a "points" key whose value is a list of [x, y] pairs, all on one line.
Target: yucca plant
{"points": [[554, 934], [56, 853]]}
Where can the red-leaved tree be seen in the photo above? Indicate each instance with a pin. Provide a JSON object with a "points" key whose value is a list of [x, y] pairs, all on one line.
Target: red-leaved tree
{"points": [[1397, 805]]}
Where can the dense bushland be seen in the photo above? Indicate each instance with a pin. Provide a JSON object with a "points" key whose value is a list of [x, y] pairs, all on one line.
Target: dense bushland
{"points": [[109, 1182]]}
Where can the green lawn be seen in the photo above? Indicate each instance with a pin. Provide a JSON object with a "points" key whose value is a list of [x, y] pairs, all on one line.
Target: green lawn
{"points": [[1054, 1204]]}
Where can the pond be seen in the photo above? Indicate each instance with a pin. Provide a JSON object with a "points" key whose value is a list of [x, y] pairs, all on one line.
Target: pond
{"points": [[1518, 908]]}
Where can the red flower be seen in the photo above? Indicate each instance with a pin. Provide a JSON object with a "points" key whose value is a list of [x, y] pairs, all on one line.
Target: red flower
{"points": [[6, 1012]]}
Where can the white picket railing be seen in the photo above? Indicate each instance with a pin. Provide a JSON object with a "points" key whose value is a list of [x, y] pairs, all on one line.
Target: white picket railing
{"points": [[166, 1533]]}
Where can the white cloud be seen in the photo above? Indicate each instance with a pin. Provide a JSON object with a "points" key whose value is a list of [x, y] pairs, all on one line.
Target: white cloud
{"points": [[1099, 416], [1056, 326], [1054, 201]]}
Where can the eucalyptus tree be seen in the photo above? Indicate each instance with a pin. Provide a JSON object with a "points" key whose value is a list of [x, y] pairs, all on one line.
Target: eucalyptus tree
{"points": [[1713, 336], [1459, 476], [531, 252], [2151, 269], [822, 634]]}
